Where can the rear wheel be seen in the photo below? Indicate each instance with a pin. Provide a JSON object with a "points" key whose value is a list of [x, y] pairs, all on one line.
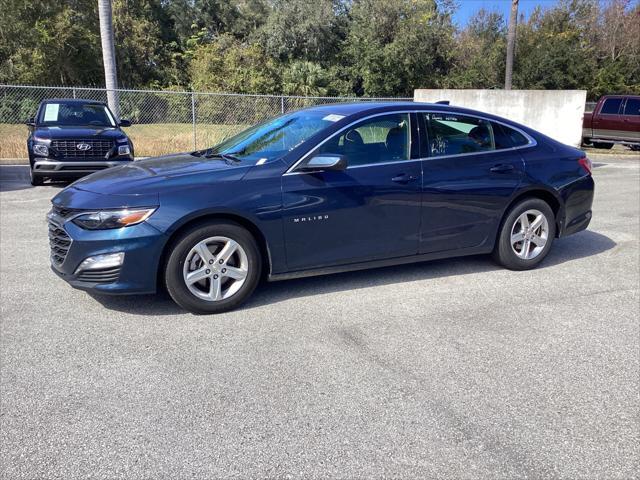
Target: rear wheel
{"points": [[526, 235], [213, 268]]}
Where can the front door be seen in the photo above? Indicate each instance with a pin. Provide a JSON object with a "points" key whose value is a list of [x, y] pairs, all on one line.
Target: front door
{"points": [[469, 177], [370, 210]]}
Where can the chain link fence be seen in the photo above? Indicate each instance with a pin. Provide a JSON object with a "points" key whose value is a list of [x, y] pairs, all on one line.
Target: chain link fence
{"points": [[164, 121]]}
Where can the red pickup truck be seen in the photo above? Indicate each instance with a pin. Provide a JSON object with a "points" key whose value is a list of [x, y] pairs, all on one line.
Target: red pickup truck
{"points": [[615, 119]]}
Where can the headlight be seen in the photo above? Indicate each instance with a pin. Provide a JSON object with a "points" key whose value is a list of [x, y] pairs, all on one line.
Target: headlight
{"points": [[113, 218], [40, 149], [124, 150]]}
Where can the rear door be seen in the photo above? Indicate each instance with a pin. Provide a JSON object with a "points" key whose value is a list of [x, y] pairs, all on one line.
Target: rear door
{"points": [[469, 176], [370, 210], [608, 122], [631, 119]]}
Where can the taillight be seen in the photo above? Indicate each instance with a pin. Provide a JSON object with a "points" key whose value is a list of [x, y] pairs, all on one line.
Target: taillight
{"points": [[585, 163]]}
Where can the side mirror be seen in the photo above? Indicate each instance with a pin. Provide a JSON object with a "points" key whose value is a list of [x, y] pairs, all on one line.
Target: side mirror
{"points": [[31, 122], [325, 162], [124, 123]]}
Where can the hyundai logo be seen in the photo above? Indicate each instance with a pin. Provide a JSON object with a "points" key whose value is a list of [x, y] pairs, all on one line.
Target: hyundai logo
{"points": [[83, 147]]}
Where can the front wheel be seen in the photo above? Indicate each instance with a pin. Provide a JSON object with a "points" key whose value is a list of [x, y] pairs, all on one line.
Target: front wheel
{"points": [[526, 235], [213, 268], [35, 179]]}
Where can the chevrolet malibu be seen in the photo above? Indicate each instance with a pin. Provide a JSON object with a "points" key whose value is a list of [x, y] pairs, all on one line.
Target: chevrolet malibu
{"points": [[326, 189]]}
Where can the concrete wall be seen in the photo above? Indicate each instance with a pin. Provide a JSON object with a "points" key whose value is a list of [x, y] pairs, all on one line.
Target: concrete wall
{"points": [[556, 113]]}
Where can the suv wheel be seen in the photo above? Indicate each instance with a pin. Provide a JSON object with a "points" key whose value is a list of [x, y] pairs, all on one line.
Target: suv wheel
{"points": [[213, 268], [35, 179], [526, 235]]}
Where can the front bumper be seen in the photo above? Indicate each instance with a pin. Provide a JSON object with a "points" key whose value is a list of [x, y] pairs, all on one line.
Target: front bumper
{"points": [[51, 167], [141, 244]]}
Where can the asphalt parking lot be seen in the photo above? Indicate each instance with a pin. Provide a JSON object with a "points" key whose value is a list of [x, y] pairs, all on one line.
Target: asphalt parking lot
{"points": [[451, 369]]}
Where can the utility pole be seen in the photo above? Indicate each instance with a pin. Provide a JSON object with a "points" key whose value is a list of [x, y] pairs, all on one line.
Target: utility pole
{"points": [[109, 55], [511, 44]]}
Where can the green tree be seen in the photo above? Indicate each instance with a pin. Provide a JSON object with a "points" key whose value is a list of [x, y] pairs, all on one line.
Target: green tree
{"points": [[145, 45], [303, 30], [229, 65], [553, 51], [50, 43], [479, 53], [395, 46], [306, 79]]}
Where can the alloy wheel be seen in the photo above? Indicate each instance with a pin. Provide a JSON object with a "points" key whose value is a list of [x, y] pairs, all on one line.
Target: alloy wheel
{"points": [[529, 234], [215, 268]]}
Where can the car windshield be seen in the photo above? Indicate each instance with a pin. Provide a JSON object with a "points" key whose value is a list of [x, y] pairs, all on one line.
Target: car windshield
{"points": [[75, 114], [274, 138]]}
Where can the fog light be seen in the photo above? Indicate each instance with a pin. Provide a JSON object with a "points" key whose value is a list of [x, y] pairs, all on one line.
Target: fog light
{"points": [[108, 260], [124, 150]]}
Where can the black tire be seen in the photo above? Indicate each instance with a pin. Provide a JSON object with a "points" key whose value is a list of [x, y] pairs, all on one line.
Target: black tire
{"points": [[179, 250], [601, 145], [35, 179], [635, 148], [503, 252]]}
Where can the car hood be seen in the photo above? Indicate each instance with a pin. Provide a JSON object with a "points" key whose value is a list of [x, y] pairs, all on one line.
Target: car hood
{"points": [[65, 132], [162, 174]]}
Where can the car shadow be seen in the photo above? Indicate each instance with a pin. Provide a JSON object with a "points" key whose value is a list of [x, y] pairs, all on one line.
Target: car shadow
{"points": [[575, 247], [16, 177]]}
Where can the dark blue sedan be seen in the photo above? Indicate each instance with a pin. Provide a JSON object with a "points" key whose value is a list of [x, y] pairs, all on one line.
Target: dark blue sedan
{"points": [[322, 190]]}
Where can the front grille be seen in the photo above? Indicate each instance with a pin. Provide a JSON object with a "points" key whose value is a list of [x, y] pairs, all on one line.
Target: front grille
{"points": [[69, 148], [104, 275], [59, 242]]}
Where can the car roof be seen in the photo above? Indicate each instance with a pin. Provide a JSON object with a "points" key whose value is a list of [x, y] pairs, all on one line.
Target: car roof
{"points": [[83, 101], [362, 109], [359, 109]]}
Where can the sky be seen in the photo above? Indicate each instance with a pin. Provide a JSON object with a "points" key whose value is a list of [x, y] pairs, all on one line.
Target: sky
{"points": [[468, 7]]}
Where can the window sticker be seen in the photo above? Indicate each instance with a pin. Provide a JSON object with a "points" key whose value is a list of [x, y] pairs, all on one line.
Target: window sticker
{"points": [[333, 117], [51, 112]]}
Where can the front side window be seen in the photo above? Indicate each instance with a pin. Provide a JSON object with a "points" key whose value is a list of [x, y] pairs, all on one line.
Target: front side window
{"points": [[632, 107], [611, 106], [381, 139], [75, 114], [453, 134]]}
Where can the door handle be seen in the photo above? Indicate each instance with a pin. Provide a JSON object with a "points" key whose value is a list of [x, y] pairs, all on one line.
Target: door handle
{"points": [[502, 168], [403, 178]]}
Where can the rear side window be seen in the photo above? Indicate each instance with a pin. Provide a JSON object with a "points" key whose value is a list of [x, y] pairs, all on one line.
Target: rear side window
{"points": [[632, 107], [611, 106], [453, 134], [507, 137]]}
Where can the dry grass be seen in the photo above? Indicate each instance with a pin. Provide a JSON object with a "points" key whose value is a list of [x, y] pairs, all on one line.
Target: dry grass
{"points": [[149, 140]]}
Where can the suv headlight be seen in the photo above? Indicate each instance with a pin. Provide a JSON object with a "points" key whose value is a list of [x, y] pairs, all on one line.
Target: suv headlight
{"points": [[108, 219], [40, 149], [124, 150]]}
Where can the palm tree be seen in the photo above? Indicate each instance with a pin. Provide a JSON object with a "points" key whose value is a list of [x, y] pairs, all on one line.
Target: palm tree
{"points": [[511, 44], [109, 55]]}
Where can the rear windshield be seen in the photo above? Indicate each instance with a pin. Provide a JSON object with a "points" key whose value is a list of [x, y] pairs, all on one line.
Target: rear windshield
{"points": [[75, 114]]}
